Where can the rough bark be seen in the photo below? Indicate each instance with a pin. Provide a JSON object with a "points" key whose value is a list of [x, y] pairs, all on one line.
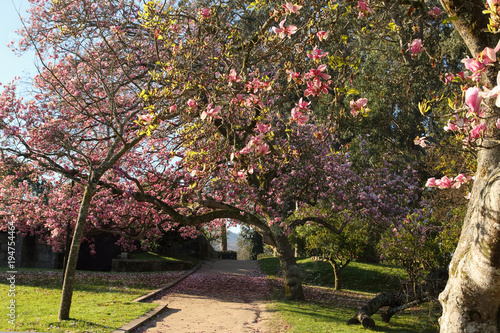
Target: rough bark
{"points": [[69, 275], [472, 296], [398, 301], [291, 274]]}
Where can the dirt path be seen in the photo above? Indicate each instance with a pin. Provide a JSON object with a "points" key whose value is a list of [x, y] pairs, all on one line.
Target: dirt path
{"points": [[222, 296]]}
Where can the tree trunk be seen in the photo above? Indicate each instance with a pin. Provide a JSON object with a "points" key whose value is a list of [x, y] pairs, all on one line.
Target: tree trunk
{"points": [[472, 295], [69, 275], [223, 238], [337, 270], [291, 275]]}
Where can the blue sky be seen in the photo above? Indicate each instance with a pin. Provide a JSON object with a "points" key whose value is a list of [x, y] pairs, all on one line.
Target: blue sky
{"points": [[10, 64]]}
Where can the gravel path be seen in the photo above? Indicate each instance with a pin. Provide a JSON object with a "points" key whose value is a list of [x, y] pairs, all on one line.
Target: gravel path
{"points": [[222, 296]]}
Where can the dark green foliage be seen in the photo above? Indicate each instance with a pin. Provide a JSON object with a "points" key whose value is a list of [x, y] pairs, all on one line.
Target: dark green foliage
{"points": [[233, 255]]}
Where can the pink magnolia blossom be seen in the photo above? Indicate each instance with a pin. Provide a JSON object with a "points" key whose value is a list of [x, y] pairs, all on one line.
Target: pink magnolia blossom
{"points": [[211, 112], [318, 73], [282, 31], [415, 47], [495, 92], [241, 175], [316, 54], [172, 108], [448, 78], [357, 106], [434, 12], [146, 119], [473, 65], [478, 131], [498, 123], [451, 127], [299, 117], [444, 182], [291, 8], [473, 98], [292, 75], [263, 128], [431, 182], [233, 77], [460, 179], [316, 87], [205, 12], [322, 35], [364, 9], [192, 103], [262, 149], [489, 55], [421, 141]]}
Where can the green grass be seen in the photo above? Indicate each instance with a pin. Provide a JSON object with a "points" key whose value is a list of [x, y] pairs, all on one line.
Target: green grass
{"points": [[159, 257], [102, 301], [327, 310]]}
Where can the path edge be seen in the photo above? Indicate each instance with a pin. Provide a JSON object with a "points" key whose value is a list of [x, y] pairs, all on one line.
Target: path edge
{"points": [[153, 312]]}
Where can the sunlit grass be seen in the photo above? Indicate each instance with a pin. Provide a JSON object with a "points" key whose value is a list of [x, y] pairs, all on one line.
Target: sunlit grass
{"points": [[102, 301], [327, 310]]}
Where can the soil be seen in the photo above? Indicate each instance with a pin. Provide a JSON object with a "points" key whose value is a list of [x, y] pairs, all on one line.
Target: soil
{"points": [[221, 296]]}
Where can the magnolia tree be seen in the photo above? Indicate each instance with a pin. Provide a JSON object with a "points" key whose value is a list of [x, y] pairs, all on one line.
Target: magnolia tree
{"points": [[80, 122], [244, 105], [228, 111]]}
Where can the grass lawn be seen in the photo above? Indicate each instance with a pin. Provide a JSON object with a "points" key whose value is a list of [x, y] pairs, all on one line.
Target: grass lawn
{"points": [[327, 310], [102, 301]]}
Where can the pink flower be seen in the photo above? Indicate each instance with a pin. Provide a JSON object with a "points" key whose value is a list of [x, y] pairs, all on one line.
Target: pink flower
{"points": [[316, 54], [291, 8], [459, 180], [473, 98], [478, 131], [282, 31], [262, 128], [498, 123], [205, 12], [292, 75], [431, 182], [495, 92], [192, 103], [449, 78], [357, 106], [473, 64], [233, 77], [316, 87], [434, 12], [262, 149], [242, 175], [172, 108], [299, 117], [211, 112], [422, 142], [364, 9], [415, 47], [451, 127], [444, 182], [489, 55], [318, 73], [322, 35], [146, 119], [302, 105]]}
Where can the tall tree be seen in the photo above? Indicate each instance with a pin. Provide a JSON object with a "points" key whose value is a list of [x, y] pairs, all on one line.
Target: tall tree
{"points": [[472, 296]]}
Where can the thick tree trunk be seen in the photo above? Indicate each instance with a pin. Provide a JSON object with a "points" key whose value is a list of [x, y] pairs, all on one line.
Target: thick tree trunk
{"points": [[472, 296], [69, 275], [396, 301], [291, 275]]}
